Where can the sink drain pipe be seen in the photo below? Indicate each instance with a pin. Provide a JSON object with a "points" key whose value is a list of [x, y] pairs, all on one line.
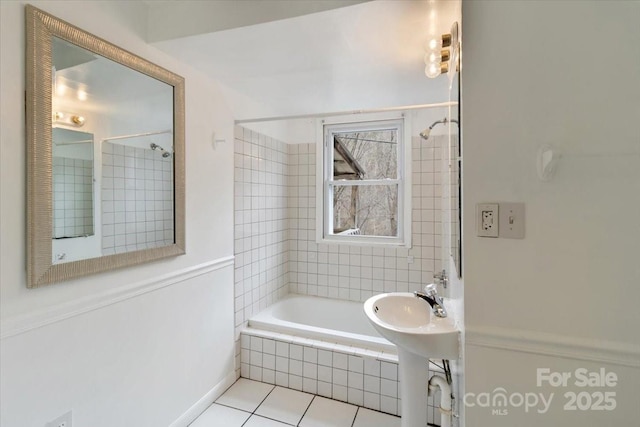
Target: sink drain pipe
{"points": [[438, 382]]}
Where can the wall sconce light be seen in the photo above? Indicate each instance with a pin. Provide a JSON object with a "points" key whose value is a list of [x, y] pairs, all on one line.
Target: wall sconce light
{"points": [[439, 53], [68, 119]]}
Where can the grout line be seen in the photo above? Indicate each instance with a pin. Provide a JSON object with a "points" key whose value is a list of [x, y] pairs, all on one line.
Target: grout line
{"points": [[306, 410], [356, 416]]}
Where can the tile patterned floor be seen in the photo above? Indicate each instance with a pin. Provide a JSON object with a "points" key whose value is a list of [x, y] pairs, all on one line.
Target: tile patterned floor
{"points": [[254, 404]]}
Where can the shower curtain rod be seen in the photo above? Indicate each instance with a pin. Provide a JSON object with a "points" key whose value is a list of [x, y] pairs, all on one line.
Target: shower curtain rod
{"points": [[135, 135], [346, 113]]}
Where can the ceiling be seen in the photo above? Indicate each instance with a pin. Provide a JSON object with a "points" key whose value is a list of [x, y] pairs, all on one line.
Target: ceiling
{"points": [[363, 56]]}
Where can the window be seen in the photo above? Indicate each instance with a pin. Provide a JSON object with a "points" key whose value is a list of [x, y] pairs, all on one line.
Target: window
{"points": [[364, 181]]}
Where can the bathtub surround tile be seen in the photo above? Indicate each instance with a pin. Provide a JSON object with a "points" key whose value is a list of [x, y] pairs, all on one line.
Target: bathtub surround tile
{"points": [[269, 346], [371, 367], [245, 342], [255, 373], [388, 387], [268, 376], [389, 405], [356, 364], [324, 373], [282, 349], [245, 395], [340, 360], [372, 400], [310, 355], [355, 380], [221, 416], [256, 358], [372, 384], [310, 370], [256, 344], [368, 418], [309, 385], [245, 370], [355, 396], [389, 371], [325, 358], [346, 385], [325, 412], [261, 247], [295, 352], [295, 367], [282, 379], [339, 392], [268, 361], [285, 405], [282, 364], [295, 382], [340, 377]]}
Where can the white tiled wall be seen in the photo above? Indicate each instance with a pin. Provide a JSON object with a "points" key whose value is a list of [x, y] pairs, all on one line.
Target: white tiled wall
{"points": [[72, 197], [260, 223], [358, 379], [356, 273], [137, 199], [276, 252]]}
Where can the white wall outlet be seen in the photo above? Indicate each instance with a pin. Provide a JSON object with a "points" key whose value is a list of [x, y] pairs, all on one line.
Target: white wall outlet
{"points": [[512, 220], [487, 219], [62, 421]]}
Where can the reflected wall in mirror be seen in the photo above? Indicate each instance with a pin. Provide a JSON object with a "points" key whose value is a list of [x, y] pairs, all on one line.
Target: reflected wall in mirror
{"points": [[105, 138], [456, 177], [72, 184]]}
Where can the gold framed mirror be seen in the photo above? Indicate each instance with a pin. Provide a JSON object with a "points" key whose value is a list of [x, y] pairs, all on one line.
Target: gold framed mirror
{"points": [[118, 198]]}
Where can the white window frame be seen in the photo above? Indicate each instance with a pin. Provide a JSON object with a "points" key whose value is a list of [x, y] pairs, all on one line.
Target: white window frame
{"points": [[324, 178]]}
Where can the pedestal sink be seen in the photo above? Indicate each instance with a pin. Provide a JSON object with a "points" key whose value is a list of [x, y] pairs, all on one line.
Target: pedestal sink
{"points": [[407, 321]]}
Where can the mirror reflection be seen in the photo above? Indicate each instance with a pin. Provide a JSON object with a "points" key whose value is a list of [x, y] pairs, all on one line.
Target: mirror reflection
{"points": [[72, 184], [112, 157], [456, 179]]}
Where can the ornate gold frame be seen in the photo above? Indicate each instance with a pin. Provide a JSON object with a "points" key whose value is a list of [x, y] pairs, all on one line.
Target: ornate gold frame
{"points": [[41, 26]]}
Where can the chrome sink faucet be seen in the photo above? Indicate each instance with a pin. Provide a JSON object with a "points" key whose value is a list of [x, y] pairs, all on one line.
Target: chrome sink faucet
{"points": [[431, 296]]}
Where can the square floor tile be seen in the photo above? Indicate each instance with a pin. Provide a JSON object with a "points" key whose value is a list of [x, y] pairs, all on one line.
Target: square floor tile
{"points": [[245, 395], [221, 416], [329, 413], [368, 418], [257, 421], [285, 405]]}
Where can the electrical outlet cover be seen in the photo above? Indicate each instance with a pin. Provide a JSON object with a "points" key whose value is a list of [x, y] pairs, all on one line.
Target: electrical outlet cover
{"points": [[487, 219]]}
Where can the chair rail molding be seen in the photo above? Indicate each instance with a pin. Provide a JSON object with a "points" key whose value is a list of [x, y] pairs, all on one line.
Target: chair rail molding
{"points": [[592, 350]]}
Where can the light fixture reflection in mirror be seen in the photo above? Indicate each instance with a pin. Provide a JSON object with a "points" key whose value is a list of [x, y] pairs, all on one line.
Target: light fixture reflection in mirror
{"points": [[78, 81]]}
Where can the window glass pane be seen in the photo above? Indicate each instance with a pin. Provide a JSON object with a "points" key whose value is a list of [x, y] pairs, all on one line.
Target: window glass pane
{"points": [[368, 210], [366, 155]]}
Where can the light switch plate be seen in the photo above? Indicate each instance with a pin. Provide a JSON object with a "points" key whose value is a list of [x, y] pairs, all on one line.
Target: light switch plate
{"points": [[511, 220], [487, 219]]}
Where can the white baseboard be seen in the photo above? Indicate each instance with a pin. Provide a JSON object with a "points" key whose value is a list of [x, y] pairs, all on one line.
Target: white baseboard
{"points": [[601, 351], [205, 401], [23, 323]]}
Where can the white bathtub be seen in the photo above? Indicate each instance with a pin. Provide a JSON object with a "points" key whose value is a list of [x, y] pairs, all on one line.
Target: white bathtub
{"points": [[325, 319]]}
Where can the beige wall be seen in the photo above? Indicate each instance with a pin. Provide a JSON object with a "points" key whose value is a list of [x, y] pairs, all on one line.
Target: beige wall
{"points": [[566, 296]]}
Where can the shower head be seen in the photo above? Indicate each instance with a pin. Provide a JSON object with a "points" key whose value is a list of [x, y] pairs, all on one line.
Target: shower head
{"points": [[425, 133], [155, 146]]}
